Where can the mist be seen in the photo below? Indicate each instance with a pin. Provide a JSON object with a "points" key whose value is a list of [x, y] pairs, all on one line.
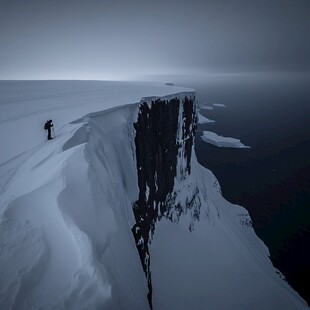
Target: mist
{"points": [[129, 39]]}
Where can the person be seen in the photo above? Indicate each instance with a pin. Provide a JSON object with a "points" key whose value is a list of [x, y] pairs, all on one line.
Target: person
{"points": [[48, 126]]}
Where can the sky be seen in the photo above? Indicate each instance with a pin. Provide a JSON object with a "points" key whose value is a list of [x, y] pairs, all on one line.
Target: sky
{"points": [[119, 39]]}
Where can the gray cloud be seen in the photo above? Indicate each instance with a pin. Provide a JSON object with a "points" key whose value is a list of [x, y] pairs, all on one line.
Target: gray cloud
{"points": [[105, 39]]}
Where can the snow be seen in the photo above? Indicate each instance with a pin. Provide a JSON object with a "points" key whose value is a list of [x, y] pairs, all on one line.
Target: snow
{"points": [[26, 105], [216, 264], [220, 263], [220, 141], [66, 212]]}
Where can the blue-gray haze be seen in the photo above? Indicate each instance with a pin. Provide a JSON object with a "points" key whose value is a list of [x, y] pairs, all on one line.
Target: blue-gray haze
{"points": [[102, 39]]}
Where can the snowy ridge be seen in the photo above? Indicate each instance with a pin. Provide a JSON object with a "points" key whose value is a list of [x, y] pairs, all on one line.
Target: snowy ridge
{"points": [[82, 242], [66, 224]]}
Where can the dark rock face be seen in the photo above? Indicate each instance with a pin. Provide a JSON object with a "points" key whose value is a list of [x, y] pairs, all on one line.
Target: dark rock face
{"points": [[165, 132]]}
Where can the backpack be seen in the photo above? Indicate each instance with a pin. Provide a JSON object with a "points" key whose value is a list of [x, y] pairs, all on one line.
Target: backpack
{"points": [[45, 126]]}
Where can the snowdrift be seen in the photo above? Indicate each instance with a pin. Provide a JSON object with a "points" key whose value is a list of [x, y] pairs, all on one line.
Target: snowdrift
{"points": [[116, 212]]}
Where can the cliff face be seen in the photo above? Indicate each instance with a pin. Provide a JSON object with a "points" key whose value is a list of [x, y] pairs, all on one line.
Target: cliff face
{"points": [[165, 131]]}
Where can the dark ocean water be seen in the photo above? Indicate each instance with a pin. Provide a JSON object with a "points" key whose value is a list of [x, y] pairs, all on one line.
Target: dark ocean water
{"points": [[270, 113]]}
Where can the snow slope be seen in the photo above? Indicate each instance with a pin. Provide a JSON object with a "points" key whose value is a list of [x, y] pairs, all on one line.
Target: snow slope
{"points": [[66, 211], [26, 105]]}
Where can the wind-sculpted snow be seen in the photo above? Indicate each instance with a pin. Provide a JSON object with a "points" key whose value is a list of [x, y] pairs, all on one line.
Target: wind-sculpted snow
{"points": [[66, 239], [26, 105], [69, 208]]}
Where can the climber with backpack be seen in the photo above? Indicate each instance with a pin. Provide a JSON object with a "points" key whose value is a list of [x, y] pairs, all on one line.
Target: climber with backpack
{"points": [[48, 126]]}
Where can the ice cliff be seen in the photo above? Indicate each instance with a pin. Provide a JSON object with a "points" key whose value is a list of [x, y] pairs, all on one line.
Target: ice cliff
{"points": [[116, 213]]}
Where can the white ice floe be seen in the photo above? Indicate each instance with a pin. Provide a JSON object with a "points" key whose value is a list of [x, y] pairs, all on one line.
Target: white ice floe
{"points": [[219, 105], [220, 141], [207, 107], [204, 120]]}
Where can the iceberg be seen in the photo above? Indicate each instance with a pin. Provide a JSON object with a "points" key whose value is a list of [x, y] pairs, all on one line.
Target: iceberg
{"points": [[204, 120], [220, 141], [207, 107], [219, 105]]}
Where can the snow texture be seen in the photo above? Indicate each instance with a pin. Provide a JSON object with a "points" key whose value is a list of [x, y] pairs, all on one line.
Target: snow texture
{"points": [[26, 105], [220, 141], [66, 215]]}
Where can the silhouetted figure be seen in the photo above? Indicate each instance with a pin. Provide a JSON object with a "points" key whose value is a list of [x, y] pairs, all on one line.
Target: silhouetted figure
{"points": [[48, 126]]}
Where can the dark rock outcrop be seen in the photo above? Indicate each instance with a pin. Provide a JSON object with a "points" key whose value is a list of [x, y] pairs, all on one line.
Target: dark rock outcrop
{"points": [[165, 131]]}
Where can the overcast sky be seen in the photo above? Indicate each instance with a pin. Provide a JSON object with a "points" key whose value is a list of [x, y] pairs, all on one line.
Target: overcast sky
{"points": [[106, 39]]}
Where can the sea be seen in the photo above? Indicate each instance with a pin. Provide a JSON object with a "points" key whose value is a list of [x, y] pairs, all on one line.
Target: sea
{"points": [[270, 112]]}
